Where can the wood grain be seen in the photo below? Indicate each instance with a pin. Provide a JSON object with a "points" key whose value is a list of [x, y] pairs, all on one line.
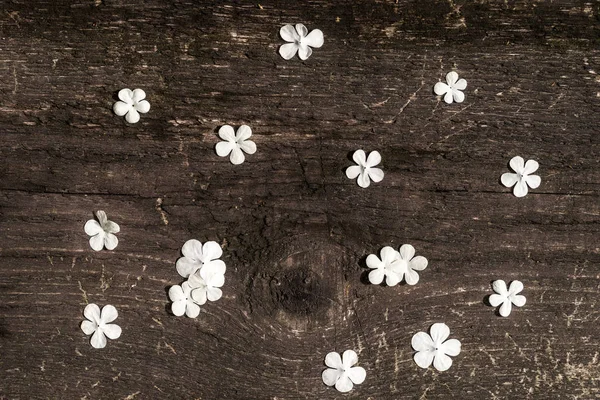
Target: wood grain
{"points": [[294, 229]]}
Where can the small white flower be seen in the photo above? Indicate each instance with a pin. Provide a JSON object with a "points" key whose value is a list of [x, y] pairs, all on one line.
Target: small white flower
{"points": [[387, 267], [98, 324], [102, 232], [131, 105], [182, 301], [522, 178], [236, 144], [341, 372], [207, 282], [435, 348], [407, 265], [452, 88], [300, 41], [365, 168], [196, 255], [507, 297]]}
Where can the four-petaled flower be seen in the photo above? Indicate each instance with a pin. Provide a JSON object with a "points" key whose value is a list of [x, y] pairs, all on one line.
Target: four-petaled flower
{"points": [[98, 324], [522, 177], [196, 255], [435, 348], [235, 143], [102, 232], [182, 301], [365, 168], [131, 105], [507, 297], [206, 282], [300, 41], [452, 88], [341, 372], [407, 265], [387, 267]]}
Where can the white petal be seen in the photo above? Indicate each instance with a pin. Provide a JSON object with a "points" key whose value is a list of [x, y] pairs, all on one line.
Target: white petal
{"points": [[192, 249], [349, 358], [451, 347], [388, 254], [92, 227], [520, 189], [288, 50], [92, 312], [439, 332], [333, 360], [499, 287], [419, 263], [353, 171], [530, 167], [360, 157], [411, 277], [424, 358], [138, 95], [441, 88], [214, 293], [496, 299], [314, 39], [178, 307], [110, 241], [112, 227], [515, 287], [509, 179], [288, 33], [227, 133], [505, 309], [224, 148], [533, 181], [97, 242], [112, 331], [243, 133], [442, 362], [215, 281], [142, 107], [302, 30], [407, 252], [213, 267], [102, 218], [373, 159], [176, 293], [344, 385], [132, 116], [517, 164], [458, 96], [363, 180], [199, 295], [186, 266], [248, 146], [461, 84], [451, 78], [211, 251], [374, 262], [330, 376], [195, 281], [88, 327], [357, 375], [237, 156], [518, 300], [126, 95], [98, 339], [376, 174], [392, 278], [421, 341], [376, 276], [192, 310], [109, 314], [448, 97], [304, 52]]}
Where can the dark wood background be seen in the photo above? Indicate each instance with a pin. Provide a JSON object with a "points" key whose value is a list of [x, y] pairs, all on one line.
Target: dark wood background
{"points": [[295, 231]]}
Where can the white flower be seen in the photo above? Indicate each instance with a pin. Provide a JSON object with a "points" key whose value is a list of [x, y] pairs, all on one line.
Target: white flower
{"points": [[452, 88], [98, 324], [196, 255], [522, 178], [386, 267], [300, 41], [342, 374], [407, 265], [131, 105], [207, 282], [435, 348], [102, 232], [507, 297], [182, 301], [235, 143], [364, 170]]}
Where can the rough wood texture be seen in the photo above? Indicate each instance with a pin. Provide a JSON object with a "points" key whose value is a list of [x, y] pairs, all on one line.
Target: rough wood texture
{"points": [[294, 229]]}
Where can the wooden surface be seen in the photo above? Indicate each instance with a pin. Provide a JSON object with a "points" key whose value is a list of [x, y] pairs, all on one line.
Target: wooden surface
{"points": [[295, 231]]}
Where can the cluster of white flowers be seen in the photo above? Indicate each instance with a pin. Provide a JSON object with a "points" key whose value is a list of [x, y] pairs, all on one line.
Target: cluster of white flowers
{"points": [[205, 274], [396, 266]]}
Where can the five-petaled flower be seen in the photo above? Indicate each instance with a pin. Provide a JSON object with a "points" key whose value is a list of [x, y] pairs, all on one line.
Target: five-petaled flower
{"points": [[102, 232], [341, 372], [522, 177], [235, 143], [408, 265], [98, 324], [206, 282], [131, 105], [452, 88], [182, 301], [365, 170], [300, 41], [505, 298], [435, 348], [387, 267], [196, 255]]}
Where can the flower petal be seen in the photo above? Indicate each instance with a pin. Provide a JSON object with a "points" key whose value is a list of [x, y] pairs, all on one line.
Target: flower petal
{"points": [[333, 360], [112, 227], [248, 146], [227, 133], [520, 189], [200, 295], [302, 30], [373, 159], [330, 376], [517, 164], [357, 375], [530, 167], [211, 251], [214, 280], [176, 293], [186, 266], [192, 249], [97, 242], [424, 358], [533, 181], [442, 362], [376, 174], [192, 310], [92, 227], [344, 384], [421, 341], [224, 148], [499, 287], [120, 108], [237, 156], [496, 299], [518, 300], [132, 116], [418, 263], [388, 254], [458, 96], [439, 332], [88, 327], [314, 39], [112, 331], [448, 97], [505, 309], [353, 171], [392, 278], [441, 88], [110, 241], [509, 179], [98, 339], [138, 95], [304, 52], [243, 133], [411, 277], [363, 180], [407, 252], [214, 293], [142, 107], [461, 84], [349, 358], [360, 158], [376, 276], [515, 287], [451, 347], [374, 262], [109, 314], [451, 78], [288, 50], [288, 33], [126, 95], [178, 307], [92, 312], [102, 218], [213, 267]]}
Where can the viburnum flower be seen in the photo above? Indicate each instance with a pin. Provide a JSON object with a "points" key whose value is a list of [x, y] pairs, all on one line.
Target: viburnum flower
{"points": [[235, 144], [435, 348], [505, 298], [131, 105], [98, 324], [408, 265], [387, 267], [341, 372], [522, 177], [196, 255], [300, 41], [451, 90], [182, 301], [206, 283], [102, 232], [365, 170]]}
